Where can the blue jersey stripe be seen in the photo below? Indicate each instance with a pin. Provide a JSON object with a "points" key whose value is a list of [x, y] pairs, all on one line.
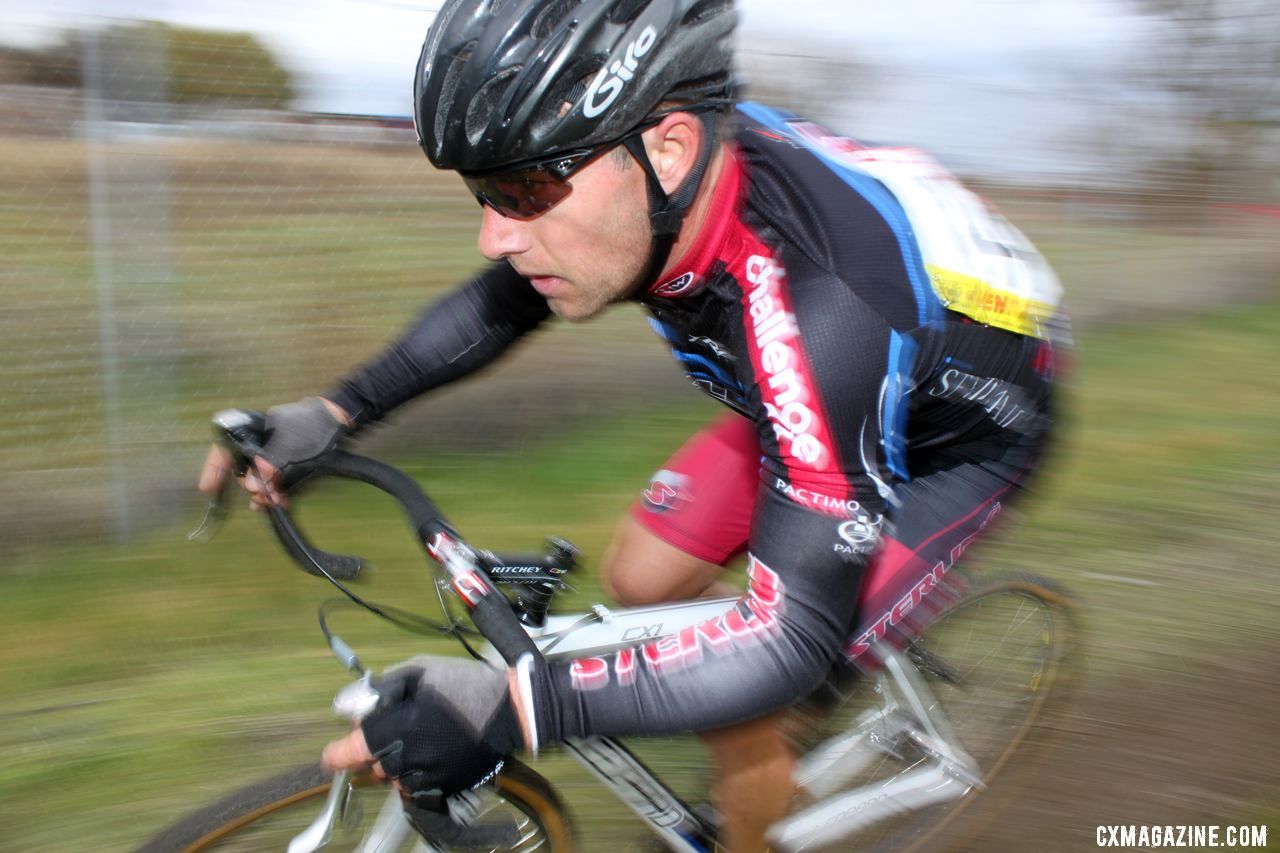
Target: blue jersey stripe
{"points": [[897, 395], [665, 332], [886, 204], [691, 360]]}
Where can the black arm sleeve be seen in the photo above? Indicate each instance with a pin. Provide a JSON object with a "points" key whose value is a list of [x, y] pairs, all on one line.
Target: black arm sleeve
{"points": [[455, 336]]}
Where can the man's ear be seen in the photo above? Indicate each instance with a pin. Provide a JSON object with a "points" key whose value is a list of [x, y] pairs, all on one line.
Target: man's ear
{"points": [[673, 148]]}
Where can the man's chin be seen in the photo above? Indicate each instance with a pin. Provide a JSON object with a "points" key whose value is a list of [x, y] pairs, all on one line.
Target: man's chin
{"points": [[574, 312]]}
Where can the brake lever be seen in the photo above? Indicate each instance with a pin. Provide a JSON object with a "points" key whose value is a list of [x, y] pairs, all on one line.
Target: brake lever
{"points": [[215, 513], [237, 430]]}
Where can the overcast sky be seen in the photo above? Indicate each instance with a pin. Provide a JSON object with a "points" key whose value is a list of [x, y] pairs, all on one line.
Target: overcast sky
{"points": [[982, 57]]}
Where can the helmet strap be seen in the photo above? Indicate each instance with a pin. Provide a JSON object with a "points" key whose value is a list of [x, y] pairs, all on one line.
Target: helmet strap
{"points": [[667, 212]]}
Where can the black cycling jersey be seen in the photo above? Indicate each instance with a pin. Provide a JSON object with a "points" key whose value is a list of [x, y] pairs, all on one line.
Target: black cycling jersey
{"points": [[896, 376]]}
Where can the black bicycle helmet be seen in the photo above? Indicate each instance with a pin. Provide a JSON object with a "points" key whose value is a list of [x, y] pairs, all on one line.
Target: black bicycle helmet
{"points": [[505, 81]]}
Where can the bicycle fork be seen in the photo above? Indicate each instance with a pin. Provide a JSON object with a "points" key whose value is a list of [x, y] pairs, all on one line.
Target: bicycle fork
{"points": [[909, 715]]}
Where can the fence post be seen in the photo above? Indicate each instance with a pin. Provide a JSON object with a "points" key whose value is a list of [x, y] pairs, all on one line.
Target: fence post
{"points": [[96, 135], [128, 129]]}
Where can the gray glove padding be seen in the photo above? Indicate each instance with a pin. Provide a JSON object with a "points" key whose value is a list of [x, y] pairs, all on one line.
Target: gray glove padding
{"points": [[443, 725], [297, 433]]}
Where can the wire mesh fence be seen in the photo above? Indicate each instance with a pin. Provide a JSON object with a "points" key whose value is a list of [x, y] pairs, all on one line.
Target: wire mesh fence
{"points": [[165, 259]]}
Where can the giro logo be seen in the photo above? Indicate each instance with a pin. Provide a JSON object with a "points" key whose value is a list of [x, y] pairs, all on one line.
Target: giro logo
{"points": [[608, 85]]}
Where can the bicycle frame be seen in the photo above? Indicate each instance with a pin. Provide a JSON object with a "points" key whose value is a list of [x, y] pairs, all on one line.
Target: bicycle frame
{"points": [[907, 711], [896, 601]]}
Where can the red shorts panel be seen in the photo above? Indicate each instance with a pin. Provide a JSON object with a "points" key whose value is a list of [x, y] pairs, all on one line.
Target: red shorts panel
{"points": [[701, 501]]}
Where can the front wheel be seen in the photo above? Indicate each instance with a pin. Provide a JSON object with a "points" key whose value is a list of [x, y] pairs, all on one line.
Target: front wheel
{"points": [[267, 815]]}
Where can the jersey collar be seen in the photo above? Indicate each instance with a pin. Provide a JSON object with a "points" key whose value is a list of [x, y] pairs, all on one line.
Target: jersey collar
{"points": [[688, 275]]}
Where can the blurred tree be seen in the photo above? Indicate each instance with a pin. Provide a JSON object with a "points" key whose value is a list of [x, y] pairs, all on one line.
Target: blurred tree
{"points": [[205, 65], [1216, 63], [197, 66], [58, 65], [11, 65]]}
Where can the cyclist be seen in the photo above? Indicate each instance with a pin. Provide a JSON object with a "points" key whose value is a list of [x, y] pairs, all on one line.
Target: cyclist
{"points": [[885, 343]]}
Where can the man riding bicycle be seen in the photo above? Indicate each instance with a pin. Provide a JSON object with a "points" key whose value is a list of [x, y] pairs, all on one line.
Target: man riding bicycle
{"points": [[885, 344]]}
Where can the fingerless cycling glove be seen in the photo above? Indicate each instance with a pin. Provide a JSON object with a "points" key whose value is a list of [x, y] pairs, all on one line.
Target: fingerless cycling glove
{"points": [[444, 725], [297, 433]]}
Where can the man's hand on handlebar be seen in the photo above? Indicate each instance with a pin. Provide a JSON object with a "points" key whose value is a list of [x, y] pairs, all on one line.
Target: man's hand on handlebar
{"points": [[436, 726], [351, 753], [442, 725], [262, 482], [296, 433]]}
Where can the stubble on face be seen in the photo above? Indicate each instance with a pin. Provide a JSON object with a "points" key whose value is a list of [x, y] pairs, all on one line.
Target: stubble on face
{"points": [[596, 242], [610, 265]]}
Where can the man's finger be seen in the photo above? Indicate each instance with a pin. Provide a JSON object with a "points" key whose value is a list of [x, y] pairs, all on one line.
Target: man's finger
{"points": [[261, 485], [350, 753], [216, 471], [251, 484], [266, 470]]}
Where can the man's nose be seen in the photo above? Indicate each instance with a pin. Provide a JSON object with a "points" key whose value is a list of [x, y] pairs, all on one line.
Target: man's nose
{"points": [[501, 237]]}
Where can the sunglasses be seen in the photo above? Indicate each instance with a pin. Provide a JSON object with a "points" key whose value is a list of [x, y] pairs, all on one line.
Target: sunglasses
{"points": [[532, 188], [526, 190]]}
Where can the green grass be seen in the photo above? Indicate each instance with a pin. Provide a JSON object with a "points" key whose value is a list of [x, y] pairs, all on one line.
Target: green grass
{"points": [[1170, 480], [141, 680], [152, 665]]}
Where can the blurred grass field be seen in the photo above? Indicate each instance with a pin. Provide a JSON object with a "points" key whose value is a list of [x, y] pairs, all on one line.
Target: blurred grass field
{"points": [[214, 272], [140, 681]]}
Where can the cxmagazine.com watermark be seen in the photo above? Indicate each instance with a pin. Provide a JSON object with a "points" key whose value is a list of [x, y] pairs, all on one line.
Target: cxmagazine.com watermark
{"points": [[1148, 837]]}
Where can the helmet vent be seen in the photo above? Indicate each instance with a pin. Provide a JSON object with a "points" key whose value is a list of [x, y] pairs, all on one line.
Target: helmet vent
{"points": [[626, 11], [569, 88], [705, 10], [580, 79], [480, 112], [551, 16], [449, 89]]}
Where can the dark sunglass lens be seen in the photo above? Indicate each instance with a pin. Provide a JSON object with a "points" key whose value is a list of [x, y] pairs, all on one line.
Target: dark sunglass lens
{"points": [[519, 195]]}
